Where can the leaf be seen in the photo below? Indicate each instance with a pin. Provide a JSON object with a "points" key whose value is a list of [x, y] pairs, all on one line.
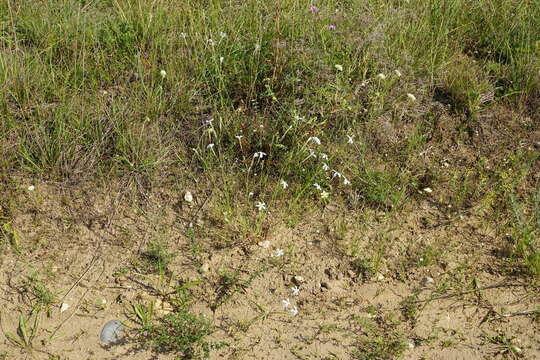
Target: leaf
{"points": [[16, 340], [22, 328]]}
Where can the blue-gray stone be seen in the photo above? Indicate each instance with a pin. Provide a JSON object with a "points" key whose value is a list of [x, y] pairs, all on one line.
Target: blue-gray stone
{"points": [[112, 331]]}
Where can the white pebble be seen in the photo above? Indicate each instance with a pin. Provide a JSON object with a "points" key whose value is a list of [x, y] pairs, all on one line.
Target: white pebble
{"points": [[264, 244]]}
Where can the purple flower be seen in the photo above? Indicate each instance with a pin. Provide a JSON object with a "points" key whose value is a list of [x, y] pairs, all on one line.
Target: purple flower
{"points": [[145, 333], [314, 9], [332, 27]]}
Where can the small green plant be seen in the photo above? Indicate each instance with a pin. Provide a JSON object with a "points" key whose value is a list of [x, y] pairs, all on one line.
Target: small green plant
{"points": [[525, 231], [506, 346], [364, 267], [181, 332], [25, 335], [144, 314], [409, 307], [44, 298], [381, 340], [156, 258], [11, 236]]}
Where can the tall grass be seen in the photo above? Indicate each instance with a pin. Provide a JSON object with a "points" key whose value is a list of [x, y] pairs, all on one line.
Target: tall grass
{"points": [[115, 88]]}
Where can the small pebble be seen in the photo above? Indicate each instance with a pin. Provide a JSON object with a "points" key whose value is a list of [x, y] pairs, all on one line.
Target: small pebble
{"points": [[298, 280], [64, 307], [428, 190], [410, 345], [31, 188], [111, 332], [188, 197], [427, 281], [264, 244], [205, 268]]}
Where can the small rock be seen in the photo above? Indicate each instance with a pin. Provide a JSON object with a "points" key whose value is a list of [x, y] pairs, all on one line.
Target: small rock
{"points": [[188, 197], [410, 344], [205, 268], [31, 188], [348, 301], [264, 244], [379, 277], [162, 308], [427, 281], [428, 190], [64, 307], [112, 332], [297, 280]]}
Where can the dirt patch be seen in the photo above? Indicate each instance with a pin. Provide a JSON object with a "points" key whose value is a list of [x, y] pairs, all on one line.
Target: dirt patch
{"points": [[358, 290]]}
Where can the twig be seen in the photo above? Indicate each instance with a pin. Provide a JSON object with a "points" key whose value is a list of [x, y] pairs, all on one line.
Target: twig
{"points": [[76, 307], [94, 259], [495, 286], [519, 313]]}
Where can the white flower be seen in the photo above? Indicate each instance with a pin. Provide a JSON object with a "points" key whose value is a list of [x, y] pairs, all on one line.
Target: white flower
{"points": [[31, 188], [163, 73], [411, 97], [250, 194], [346, 181], [221, 59], [183, 35], [350, 139], [257, 47], [325, 166], [428, 190], [324, 195], [317, 186], [286, 303], [381, 76], [279, 253], [297, 118], [259, 154], [335, 173], [210, 146], [397, 72], [323, 156], [211, 42], [260, 205], [294, 311], [295, 291], [284, 184], [239, 137], [312, 154], [222, 34], [314, 139], [338, 67]]}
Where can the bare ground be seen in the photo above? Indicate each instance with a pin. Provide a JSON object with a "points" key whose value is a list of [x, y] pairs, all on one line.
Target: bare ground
{"points": [[86, 247]]}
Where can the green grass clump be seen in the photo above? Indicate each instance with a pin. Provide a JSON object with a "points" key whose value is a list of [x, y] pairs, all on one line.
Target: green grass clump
{"points": [[181, 332], [380, 340]]}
